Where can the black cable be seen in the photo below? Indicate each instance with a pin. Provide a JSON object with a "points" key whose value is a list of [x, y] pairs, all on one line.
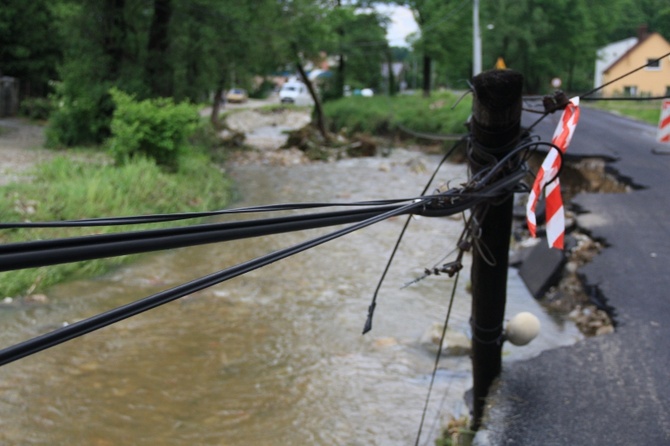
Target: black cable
{"points": [[456, 201], [520, 148], [651, 61], [50, 252], [584, 96], [102, 320], [643, 98], [437, 357], [163, 218], [532, 126], [429, 136], [371, 309]]}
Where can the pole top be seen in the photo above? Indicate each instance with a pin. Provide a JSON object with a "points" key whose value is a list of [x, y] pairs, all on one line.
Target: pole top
{"points": [[496, 109]]}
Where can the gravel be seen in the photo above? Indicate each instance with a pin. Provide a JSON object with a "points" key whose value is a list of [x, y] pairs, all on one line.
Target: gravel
{"points": [[21, 148]]}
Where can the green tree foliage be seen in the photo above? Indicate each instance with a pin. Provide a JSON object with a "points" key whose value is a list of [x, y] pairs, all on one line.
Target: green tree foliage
{"points": [[29, 48], [631, 14], [448, 36], [152, 128], [359, 38], [365, 48], [165, 48], [99, 51], [444, 42], [188, 49], [557, 39], [542, 39]]}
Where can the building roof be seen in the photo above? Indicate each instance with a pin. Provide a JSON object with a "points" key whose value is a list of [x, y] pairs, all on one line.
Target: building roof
{"points": [[632, 49]]}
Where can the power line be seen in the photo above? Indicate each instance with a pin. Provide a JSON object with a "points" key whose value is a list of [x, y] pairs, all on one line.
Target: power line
{"points": [[627, 98], [162, 218], [102, 320], [650, 62], [447, 203], [50, 252]]}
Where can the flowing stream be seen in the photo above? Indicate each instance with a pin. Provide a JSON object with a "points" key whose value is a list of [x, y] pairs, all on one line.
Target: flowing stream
{"points": [[274, 357]]}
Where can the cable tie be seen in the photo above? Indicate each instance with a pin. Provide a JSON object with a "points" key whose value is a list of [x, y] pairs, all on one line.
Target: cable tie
{"points": [[477, 330]]}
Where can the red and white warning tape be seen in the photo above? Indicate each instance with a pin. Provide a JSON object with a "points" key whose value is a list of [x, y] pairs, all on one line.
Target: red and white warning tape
{"points": [[664, 122], [554, 202]]}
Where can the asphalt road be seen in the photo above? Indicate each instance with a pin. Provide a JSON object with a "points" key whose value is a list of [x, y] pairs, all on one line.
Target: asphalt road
{"points": [[611, 389]]}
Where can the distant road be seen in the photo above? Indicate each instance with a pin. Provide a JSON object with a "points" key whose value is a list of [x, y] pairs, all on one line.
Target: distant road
{"points": [[611, 389], [606, 135], [273, 99]]}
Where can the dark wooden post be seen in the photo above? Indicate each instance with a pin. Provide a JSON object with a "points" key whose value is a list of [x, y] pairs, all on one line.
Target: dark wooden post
{"points": [[495, 128]]}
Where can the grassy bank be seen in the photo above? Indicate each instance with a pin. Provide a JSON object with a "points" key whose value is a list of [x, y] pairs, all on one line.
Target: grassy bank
{"points": [[389, 116], [65, 188], [645, 111]]}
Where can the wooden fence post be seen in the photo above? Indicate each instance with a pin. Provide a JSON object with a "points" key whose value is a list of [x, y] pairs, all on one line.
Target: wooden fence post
{"points": [[495, 127]]}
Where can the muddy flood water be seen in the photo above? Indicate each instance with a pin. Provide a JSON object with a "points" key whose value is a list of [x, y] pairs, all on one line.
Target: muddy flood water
{"points": [[275, 357]]}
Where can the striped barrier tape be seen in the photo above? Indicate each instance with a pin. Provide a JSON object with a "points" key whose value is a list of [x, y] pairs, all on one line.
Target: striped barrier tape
{"points": [[555, 215]]}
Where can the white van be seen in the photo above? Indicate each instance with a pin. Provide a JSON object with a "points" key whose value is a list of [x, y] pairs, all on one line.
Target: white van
{"points": [[294, 92]]}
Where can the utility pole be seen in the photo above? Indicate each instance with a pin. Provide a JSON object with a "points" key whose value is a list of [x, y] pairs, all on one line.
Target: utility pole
{"points": [[495, 127], [476, 40]]}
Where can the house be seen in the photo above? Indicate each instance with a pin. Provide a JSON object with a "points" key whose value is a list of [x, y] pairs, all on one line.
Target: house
{"points": [[624, 56]]}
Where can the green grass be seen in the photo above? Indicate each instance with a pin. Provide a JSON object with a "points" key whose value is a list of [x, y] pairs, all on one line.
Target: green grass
{"points": [[386, 116], [645, 111], [66, 189]]}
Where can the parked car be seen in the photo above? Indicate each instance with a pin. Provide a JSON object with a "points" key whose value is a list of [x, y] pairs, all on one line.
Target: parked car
{"points": [[365, 92], [293, 92], [237, 96]]}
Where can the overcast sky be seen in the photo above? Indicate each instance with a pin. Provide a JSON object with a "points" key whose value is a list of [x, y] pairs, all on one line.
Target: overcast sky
{"points": [[402, 25]]}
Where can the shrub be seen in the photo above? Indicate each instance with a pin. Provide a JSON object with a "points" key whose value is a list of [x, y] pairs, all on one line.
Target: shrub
{"points": [[157, 129], [36, 108], [73, 187], [263, 91], [383, 115], [79, 118]]}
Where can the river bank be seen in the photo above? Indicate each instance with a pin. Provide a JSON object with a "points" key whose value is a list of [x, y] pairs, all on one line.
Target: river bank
{"points": [[275, 356]]}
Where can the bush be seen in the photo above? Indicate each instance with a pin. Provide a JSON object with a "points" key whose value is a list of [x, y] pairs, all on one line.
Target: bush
{"points": [[157, 129], [38, 109], [70, 187], [264, 90], [383, 115], [80, 117]]}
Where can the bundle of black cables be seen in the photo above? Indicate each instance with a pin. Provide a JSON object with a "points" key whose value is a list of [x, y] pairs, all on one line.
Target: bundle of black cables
{"points": [[49, 252]]}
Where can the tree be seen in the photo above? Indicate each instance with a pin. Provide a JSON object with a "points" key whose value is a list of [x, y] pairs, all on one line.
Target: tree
{"points": [[631, 14], [445, 41], [96, 55], [544, 39], [423, 12], [176, 48], [158, 68], [364, 47], [30, 47], [306, 24]]}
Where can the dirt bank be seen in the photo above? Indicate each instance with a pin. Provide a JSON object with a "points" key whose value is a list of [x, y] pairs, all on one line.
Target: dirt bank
{"points": [[265, 133]]}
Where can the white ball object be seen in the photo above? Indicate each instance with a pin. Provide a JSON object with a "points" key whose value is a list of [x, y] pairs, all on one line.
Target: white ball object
{"points": [[522, 328]]}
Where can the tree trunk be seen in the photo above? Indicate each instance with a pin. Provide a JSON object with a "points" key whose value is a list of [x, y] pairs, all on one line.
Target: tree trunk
{"points": [[159, 74], [340, 80], [318, 110], [216, 106], [426, 76], [115, 37], [389, 61]]}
